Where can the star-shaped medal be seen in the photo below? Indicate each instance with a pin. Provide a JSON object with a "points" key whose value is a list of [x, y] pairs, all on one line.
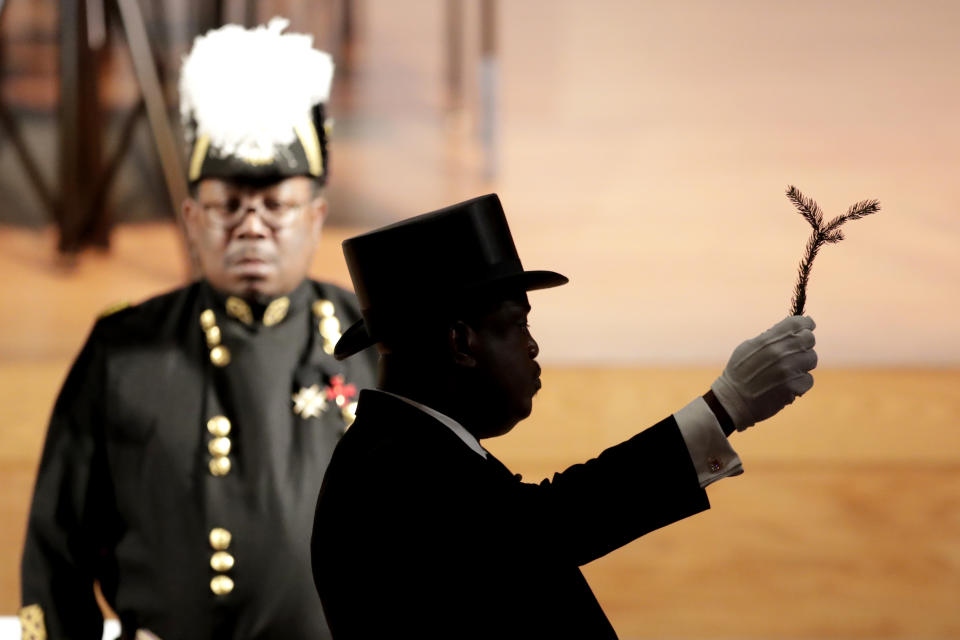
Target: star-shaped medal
{"points": [[309, 402]]}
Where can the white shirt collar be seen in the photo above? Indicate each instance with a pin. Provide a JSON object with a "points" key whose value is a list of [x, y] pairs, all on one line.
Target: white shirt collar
{"points": [[468, 438]]}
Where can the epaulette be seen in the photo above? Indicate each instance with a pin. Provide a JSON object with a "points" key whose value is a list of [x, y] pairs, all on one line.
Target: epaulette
{"points": [[114, 308]]}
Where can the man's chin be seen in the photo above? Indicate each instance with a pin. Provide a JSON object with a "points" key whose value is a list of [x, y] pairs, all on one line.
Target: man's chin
{"points": [[506, 427], [255, 289], [520, 414]]}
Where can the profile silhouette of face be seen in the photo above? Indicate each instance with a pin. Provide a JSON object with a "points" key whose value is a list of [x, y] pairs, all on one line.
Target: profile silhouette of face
{"points": [[505, 371]]}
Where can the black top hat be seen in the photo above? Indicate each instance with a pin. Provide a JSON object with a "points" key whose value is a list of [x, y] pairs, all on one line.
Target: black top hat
{"points": [[424, 264]]}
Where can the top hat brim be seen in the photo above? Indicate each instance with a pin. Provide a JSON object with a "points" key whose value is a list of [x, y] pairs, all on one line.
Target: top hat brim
{"points": [[356, 338]]}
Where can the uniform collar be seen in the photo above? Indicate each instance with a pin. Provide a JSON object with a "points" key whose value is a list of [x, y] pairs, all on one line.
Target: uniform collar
{"points": [[260, 314]]}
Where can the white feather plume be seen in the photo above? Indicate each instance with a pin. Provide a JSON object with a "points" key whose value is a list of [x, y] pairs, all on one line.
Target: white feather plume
{"points": [[247, 88]]}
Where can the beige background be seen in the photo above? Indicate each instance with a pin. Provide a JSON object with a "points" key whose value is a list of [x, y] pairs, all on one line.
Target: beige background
{"points": [[645, 148]]}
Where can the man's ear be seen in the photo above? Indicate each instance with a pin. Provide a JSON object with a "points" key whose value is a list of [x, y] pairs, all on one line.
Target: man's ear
{"points": [[190, 212], [318, 213], [462, 342]]}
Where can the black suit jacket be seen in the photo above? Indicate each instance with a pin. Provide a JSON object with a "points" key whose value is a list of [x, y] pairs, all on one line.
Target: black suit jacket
{"points": [[416, 535]]}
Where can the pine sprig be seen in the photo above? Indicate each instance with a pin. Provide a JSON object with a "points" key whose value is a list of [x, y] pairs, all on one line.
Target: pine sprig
{"points": [[806, 206], [822, 234], [855, 212]]}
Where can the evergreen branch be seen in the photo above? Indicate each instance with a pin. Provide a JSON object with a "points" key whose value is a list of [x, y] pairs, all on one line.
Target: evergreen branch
{"points": [[834, 224], [821, 235], [806, 264], [855, 212], [806, 206], [862, 208]]}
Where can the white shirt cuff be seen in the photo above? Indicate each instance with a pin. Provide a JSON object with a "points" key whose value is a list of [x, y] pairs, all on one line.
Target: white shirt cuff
{"points": [[709, 449]]}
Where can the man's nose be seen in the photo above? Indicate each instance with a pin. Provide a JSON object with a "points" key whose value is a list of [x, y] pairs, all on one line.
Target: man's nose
{"points": [[252, 224], [533, 348]]}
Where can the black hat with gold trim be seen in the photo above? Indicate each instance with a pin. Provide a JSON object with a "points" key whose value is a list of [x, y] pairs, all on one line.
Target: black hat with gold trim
{"points": [[420, 267], [252, 104]]}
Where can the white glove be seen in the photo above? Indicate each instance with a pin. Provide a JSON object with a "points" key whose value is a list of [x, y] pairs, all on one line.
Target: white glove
{"points": [[766, 373]]}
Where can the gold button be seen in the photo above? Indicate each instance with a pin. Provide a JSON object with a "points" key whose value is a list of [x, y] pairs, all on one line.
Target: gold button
{"points": [[221, 561], [323, 308], [207, 319], [330, 341], [220, 538], [213, 336], [221, 585], [330, 327], [220, 465], [220, 356], [219, 446], [349, 413], [219, 426]]}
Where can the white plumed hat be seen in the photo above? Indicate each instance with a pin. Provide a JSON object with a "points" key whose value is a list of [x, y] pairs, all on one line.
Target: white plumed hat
{"points": [[252, 103]]}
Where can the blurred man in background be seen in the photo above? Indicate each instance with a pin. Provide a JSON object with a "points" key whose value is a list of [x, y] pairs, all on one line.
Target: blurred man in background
{"points": [[186, 448]]}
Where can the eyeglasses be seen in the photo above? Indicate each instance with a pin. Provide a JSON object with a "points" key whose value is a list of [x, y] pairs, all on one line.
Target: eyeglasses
{"points": [[231, 212]]}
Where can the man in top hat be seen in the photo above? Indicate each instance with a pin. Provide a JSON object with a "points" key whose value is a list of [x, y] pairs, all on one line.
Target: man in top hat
{"points": [[187, 446], [435, 538]]}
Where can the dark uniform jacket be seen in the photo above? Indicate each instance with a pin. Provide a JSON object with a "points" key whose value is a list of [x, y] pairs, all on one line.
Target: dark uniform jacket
{"points": [[433, 541], [182, 465]]}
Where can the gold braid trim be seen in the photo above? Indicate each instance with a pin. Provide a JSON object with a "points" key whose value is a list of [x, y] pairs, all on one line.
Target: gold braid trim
{"points": [[311, 147], [199, 155], [239, 309], [276, 311]]}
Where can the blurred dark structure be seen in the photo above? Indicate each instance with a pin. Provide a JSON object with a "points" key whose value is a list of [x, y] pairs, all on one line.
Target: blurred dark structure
{"points": [[89, 123]]}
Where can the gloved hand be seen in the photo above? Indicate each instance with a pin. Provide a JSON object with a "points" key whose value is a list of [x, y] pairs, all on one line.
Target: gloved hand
{"points": [[766, 373]]}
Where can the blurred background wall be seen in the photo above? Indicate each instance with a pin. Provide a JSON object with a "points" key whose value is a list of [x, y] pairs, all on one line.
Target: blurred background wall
{"points": [[643, 150]]}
